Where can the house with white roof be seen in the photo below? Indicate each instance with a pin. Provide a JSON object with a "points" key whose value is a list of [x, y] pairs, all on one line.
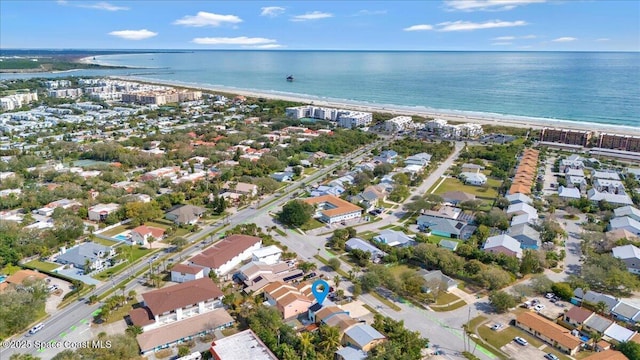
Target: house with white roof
{"points": [[394, 238], [101, 211], [629, 211], [572, 162], [618, 333], [630, 255], [626, 223], [503, 244], [519, 198], [611, 175], [568, 192], [620, 198], [269, 255], [471, 178], [527, 236], [357, 243], [522, 208]]}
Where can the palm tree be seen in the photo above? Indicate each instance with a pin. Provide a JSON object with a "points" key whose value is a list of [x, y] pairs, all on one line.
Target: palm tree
{"points": [[134, 330], [132, 294], [336, 280], [330, 336], [306, 344]]}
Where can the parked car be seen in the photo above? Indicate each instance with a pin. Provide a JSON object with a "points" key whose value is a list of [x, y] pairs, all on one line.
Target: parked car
{"points": [[521, 341], [550, 295], [550, 356], [539, 307], [497, 327]]}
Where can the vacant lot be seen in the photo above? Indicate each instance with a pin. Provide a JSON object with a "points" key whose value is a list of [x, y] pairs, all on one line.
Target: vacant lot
{"points": [[43, 265], [489, 192]]}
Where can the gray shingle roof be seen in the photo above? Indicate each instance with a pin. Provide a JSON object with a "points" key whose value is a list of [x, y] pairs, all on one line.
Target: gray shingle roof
{"points": [[625, 310], [441, 225], [598, 323], [363, 334]]}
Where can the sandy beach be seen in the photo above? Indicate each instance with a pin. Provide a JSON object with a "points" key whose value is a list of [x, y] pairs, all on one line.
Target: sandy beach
{"points": [[456, 116]]}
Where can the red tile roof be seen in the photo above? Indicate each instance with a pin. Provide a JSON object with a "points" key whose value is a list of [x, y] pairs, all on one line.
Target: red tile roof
{"points": [[183, 268], [549, 329], [178, 296], [225, 250], [141, 316]]}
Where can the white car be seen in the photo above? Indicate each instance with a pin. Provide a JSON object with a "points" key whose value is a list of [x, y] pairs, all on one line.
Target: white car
{"points": [[521, 341], [550, 295], [539, 307]]}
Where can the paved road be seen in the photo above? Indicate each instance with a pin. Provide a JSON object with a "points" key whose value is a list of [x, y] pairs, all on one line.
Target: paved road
{"points": [[72, 324], [573, 248]]}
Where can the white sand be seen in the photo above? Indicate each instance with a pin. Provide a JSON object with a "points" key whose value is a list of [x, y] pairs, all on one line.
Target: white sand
{"points": [[483, 119]]}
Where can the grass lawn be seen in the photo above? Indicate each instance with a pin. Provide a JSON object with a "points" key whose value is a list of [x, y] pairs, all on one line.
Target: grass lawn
{"points": [[311, 224], [385, 301], [388, 226], [435, 239], [115, 231], [454, 306], [476, 321], [280, 232], [452, 184], [43, 265], [397, 270], [445, 298], [159, 225], [120, 313], [136, 254], [104, 242], [367, 235]]}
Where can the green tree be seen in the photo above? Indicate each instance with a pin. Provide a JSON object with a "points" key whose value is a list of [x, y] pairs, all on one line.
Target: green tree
{"points": [[329, 339], [630, 349], [67, 354], [502, 301], [23, 357], [179, 242], [531, 262], [133, 330], [296, 213], [183, 351], [334, 263], [563, 290], [541, 284]]}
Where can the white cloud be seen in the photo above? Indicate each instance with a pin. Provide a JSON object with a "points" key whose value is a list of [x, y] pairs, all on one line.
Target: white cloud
{"points": [[504, 38], [240, 40], [103, 5], [422, 27], [370, 12], [486, 5], [603, 39], [502, 43], [469, 26], [314, 15], [268, 46], [528, 37], [564, 39], [204, 18], [272, 11], [134, 34]]}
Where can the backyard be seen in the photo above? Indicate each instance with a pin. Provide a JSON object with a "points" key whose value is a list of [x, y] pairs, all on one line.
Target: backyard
{"points": [[136, 253], [43, 265], [488, 192]]}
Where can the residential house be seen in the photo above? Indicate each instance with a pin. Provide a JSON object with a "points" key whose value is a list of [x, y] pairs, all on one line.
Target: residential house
{"points": [[616, 199], [471, 168], [445, 212], [268, 255], [101, 211], [607, 355], [448, 244], [356, 243], [519, 198], [596, 323], [549, 332], [522, 208], [625, 312], [456, 197], [628, 211], [610, 186], [594, 298], [333, 316], [369, 198], [283, 176], [572, 162], [577, 316], [331, 209], [350, 353], [182, 273], [527, 236], [243, 345], [618, 234], [394, 238], [227, 254], [178, 332], [625, 223], [185, 214], [630, 255], [503, 244], [327, 190], [20, 278], [524, 219], [176, 303], [290, 300], [444, 227], [362, 336], [477, 179], [387, 157], [144, 235], [610, 175], [618, 333], [249, 190], [90, 254], [257, 275], [437, 279], [569, 193]]}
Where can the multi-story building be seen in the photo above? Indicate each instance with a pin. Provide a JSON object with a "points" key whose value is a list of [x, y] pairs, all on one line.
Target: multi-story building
{"points": [[566, 136], [227, 254], [331, 209], [619, 142], [101, 211], [16, 101], [398, 123]]}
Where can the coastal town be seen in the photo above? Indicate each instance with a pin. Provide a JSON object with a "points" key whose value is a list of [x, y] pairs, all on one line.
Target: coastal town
{"points": [[147, 220]]}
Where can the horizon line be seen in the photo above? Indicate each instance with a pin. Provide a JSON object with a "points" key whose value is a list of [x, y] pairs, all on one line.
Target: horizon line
{"points": [[293, 50]]}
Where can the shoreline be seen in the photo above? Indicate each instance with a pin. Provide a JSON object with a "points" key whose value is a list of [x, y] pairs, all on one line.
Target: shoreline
{"points": [[450, 115]]}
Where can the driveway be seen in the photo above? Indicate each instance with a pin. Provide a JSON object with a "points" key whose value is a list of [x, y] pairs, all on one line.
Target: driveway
{"points": [[78, 274], [573, 248], [516, 351]]}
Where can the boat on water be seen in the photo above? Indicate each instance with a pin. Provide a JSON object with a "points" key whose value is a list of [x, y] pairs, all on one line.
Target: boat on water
{"points": [[290, 78]]}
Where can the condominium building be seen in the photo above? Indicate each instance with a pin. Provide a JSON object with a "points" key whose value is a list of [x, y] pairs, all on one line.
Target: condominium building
{"points": [[566, 136]]}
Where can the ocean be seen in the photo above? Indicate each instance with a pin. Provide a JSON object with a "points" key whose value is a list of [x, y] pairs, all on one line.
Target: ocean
{"points": [[591, 87]]}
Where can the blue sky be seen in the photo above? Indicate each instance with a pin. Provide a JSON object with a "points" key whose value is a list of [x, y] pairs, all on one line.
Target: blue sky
{"points": [[498, 25]]}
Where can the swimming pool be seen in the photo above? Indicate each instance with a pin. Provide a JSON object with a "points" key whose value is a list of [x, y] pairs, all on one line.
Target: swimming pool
{"points": [[121, 237], [2, 278]]}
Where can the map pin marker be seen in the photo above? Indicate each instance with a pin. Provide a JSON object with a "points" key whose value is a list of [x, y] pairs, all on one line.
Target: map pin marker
{"points": [[320, 295]]}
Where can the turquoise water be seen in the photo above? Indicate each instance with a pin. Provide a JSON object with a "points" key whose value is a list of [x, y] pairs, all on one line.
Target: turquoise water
{"points": [[579, 86], [2, 278], [121, 237]]}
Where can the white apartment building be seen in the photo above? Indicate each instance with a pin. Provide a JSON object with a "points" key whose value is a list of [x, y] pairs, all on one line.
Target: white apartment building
{"points": [[268, 255], [398, 123], [16, 101], [354, 119]]}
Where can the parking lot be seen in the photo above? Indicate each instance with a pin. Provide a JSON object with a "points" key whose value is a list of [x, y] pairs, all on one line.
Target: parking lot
{"points": [[517, 351], [551, 310]]}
